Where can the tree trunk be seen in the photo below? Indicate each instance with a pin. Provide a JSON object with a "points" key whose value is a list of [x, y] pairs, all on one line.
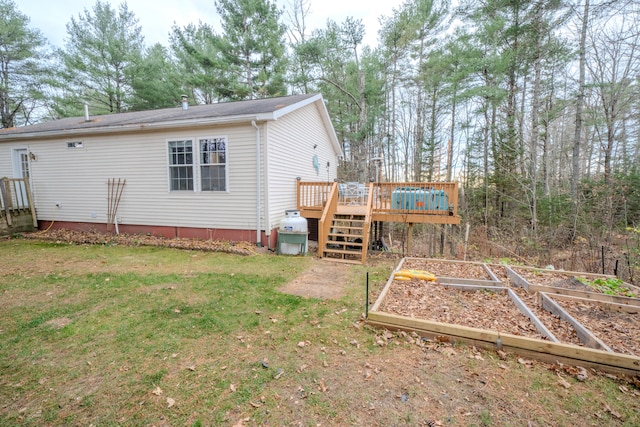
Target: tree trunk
{"points": [[575, 159], [533, 148]]}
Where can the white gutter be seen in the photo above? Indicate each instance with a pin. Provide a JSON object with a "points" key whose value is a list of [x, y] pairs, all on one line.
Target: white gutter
{"points": [[258, 183], [93, 130]]}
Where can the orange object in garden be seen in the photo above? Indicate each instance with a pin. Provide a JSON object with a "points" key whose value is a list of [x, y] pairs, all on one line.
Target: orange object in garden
{"points": [[414, 274]]}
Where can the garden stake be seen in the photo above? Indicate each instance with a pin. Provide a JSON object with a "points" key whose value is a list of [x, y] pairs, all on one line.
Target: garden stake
{"points": [[366, 306]]}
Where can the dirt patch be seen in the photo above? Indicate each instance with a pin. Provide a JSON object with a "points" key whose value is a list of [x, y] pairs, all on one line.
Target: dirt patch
{"points": [[58, 323], [323, 280]]}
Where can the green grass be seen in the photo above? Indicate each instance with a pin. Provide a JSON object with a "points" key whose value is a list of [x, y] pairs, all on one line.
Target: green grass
{"points": [[127, 332], [87, 333]]}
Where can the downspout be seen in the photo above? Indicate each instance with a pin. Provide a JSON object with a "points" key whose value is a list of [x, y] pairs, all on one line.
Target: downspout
{"points": [[267, 214], [258, 183]]}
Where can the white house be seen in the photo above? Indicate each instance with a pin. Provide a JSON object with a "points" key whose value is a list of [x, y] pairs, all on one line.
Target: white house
{"points": [[221, 171]]}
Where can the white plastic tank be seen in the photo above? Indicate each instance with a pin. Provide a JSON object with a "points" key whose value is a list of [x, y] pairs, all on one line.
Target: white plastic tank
{"points": [[293, 222], [290, 224]]}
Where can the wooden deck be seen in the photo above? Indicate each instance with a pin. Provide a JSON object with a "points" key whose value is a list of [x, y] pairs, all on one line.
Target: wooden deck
{"points": [[407, 202], [410, 203]]}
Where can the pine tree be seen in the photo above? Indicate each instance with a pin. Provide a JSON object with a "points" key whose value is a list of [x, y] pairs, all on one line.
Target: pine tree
{"points": [[21, 71], [252, 43], [102, 50]]}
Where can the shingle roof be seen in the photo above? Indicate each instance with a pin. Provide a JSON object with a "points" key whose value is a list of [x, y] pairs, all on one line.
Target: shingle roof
{"points": [[214, 112]]}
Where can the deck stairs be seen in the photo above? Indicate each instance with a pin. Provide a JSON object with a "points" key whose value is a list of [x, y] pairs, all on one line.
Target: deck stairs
{"points": [[344, 225], [346, 238]]}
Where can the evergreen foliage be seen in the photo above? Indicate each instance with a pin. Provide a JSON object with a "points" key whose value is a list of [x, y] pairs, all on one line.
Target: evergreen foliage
{"points": [[486, 93], [23, 67]]}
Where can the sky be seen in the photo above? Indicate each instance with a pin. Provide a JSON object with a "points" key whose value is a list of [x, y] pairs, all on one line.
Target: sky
{"points": [[156, 17]]}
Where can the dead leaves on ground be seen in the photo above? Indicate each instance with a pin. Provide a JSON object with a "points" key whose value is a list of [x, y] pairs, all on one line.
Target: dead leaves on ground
{"points": [[95, 238], [158, 392]]}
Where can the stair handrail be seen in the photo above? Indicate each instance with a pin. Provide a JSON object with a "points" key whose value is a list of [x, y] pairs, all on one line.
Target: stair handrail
{"points": [[367, 224], [324, 225]]}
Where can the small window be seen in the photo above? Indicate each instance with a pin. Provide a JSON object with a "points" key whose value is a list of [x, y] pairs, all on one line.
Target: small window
{"points": [[75, 144], [213, 164], [181, 165]]}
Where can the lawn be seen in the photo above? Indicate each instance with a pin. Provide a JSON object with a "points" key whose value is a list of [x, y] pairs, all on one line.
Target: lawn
{"points": [[111, 335]]}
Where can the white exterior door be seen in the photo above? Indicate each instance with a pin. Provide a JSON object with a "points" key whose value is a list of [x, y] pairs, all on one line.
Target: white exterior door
{"points": [[21, 170]]}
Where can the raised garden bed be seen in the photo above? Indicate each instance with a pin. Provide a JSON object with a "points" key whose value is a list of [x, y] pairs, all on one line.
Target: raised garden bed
{"points": [[486, 308], [570, 281], [614, 327], [453, 271], [560, 328], [491, 308]]}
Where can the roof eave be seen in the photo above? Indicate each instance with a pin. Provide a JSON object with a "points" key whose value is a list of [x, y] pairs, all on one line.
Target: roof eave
{"points": [[173, 124]]}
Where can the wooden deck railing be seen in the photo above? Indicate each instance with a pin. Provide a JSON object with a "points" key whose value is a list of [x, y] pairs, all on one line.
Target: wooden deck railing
{"points": [[324, 224], [431, 198], [313, 195], [428, 198], [15, 198]]}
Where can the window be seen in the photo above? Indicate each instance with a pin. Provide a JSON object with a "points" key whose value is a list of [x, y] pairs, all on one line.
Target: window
{"points": [[213, 160], [181, 165], [204, 170], [24, 164]]}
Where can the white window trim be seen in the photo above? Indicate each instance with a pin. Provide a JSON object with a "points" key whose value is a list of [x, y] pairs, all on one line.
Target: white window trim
{"points": [[168, 165], [226, 164], [195, 166], [16, 163]]}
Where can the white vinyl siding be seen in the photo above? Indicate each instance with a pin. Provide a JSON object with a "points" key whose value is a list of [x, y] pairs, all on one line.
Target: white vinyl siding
{"points": [[8, 167], [78, 180], [291, 154]]}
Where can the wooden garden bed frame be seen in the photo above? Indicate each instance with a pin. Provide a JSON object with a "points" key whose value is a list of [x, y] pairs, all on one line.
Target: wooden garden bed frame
{"points": [[602, 358], [520, 281]]}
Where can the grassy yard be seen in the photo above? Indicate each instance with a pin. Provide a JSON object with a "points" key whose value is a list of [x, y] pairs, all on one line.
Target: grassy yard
{"points": [[112, 335]]}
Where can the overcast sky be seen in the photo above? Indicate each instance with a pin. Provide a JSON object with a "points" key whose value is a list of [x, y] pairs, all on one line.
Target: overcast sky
{"points": [[158, 16]]}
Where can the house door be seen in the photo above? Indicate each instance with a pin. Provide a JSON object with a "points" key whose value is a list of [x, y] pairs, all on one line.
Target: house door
{"points": [[21, 170]]}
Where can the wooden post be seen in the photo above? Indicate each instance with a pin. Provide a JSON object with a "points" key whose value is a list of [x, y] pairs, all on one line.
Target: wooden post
{"points": [[32, 207], [409, 239], [5, 191], [455, 231], [466, 240]]}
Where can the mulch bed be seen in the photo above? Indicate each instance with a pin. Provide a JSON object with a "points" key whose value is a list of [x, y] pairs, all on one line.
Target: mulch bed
{"points": [[496, 312], [448, 269], [478, 309], [553, 279], [619, 331]]}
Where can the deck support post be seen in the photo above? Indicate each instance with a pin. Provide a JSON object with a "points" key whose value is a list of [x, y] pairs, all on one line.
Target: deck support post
{"points": [[409, 238]]}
